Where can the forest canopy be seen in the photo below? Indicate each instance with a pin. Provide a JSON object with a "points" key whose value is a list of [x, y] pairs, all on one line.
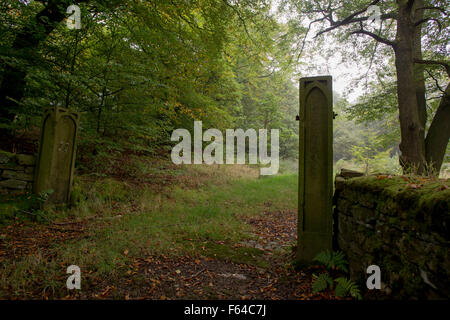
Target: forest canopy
{"points": [[137, 70]]}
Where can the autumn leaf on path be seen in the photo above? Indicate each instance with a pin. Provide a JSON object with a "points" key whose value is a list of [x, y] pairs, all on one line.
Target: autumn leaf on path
{"points": [[381, 177]]}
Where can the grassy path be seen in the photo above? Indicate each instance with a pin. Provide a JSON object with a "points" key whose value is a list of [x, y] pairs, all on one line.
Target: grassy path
{"points": [[222, 235]]}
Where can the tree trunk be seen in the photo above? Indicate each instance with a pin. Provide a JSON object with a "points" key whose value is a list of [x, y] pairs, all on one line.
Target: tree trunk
{"points": [[417, 15], [439, 134], [26, 42], [412, 144], [439, 131]]}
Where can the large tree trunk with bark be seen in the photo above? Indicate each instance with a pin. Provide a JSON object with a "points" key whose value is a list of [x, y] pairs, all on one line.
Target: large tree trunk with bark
{"points": [[412, 125], [439, 134], [417, 15], [25, 44], [418, 155]]}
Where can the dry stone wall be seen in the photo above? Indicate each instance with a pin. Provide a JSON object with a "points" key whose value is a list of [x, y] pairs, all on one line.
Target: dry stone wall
{"points": [[399, 225], [16, 172]]}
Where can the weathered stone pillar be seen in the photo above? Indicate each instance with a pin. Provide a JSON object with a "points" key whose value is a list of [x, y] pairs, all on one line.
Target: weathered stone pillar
{"points": [[315, 167], [56, 158]]}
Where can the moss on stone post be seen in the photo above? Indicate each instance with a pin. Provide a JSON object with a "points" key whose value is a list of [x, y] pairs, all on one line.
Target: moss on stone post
{"points": [[315, 167], [57, 150]]}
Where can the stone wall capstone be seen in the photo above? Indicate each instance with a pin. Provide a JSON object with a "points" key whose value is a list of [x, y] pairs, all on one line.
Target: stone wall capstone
{"points": [[402, 227]]}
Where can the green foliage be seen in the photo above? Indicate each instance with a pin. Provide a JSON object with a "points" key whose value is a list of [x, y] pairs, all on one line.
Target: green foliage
{"points": [[140, 69], [370, 146], [332, 260], [24, 207], [375, 64], [321, 282], [346, 286]]}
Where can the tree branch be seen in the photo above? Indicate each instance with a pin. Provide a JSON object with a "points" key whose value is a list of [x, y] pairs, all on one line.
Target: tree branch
{"points": [[375, 36], [307, 32], [418, 23], [352, 18], [435, 80], [241, 19], [446, 65], [386, 16], [434, 8]]}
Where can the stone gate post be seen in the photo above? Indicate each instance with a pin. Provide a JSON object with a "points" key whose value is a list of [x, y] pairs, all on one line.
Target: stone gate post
{"points": [[315, 167], [57, 150]]}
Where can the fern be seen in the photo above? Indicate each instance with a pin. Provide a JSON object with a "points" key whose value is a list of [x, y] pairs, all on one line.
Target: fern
{"points": [[321, 282], [333, 261], [346, 286], [323, 257]]}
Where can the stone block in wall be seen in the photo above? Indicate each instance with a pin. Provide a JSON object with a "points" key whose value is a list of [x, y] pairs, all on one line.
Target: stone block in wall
{"points": [[367, 200], [348, 194], [343, 205], [388, 206], [347, 173], [10, 166], [29, 169], [433, 259], [346, 227], [363, 214], [17, 175], [25, 159], [339, 183], [16, 171], [4, 158], [13, 184]]}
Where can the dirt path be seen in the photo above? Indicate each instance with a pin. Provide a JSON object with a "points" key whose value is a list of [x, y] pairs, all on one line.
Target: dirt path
{"points": [[266, 274], [169, 277], [162, 277]]}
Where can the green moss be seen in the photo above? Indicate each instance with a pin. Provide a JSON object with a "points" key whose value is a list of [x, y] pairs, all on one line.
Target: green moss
{"points": [[396, 185], [373, 243], [23, 206], [7, 211], [242, 255], [393, 220], [412, 284], [8, 154], [405, 206], [422, 203], [372, 183]]}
